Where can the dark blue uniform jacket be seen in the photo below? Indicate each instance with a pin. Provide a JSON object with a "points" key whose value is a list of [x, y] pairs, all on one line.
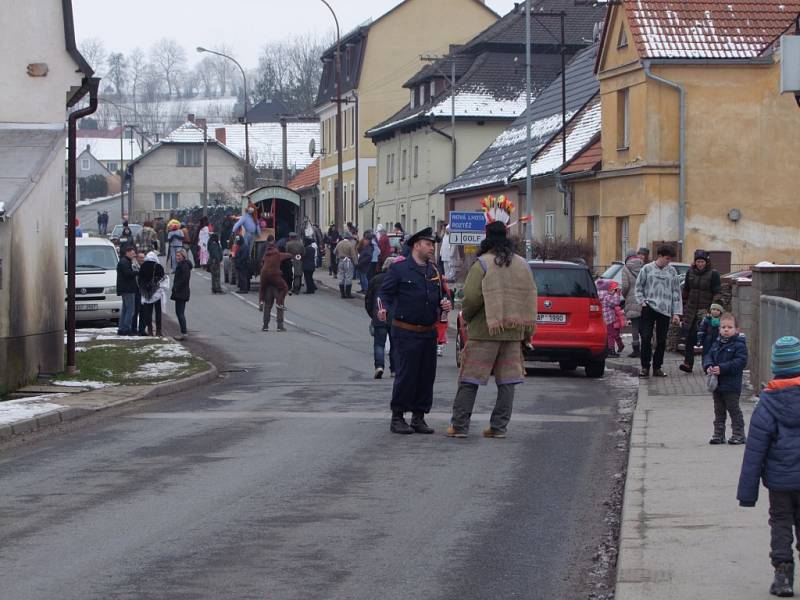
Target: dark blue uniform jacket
{"points": [[412, 292], [773, 443]]}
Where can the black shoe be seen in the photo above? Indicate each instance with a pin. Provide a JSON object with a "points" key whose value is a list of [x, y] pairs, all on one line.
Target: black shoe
{"points": [[659, 373], [348, 291], [378, 372], [737, 440], [784, 581], [634, 354], [281, 328], [716, 440], [399, 425], [341, 291], [419, 425], [265, 328], [644, 373], [613, 354], [686, 367]]}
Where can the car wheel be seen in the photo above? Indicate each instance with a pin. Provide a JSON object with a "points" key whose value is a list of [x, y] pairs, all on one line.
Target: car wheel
{"points": [[459, 349], [567, 365], [596, 369]]}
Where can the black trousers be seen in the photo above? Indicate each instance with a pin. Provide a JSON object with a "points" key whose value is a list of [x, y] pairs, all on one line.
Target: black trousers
{"points": [[691, 341], [311, 287], [146, 318], [653, 320], [727, 403], [784, 519], [415, 362]]}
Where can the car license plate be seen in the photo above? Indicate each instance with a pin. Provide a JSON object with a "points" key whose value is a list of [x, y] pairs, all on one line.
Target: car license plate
{"points": [[551, 318], [83, 307]]}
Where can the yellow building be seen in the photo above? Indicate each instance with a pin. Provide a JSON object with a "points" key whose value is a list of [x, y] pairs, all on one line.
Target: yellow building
{"points": [[697, 142], [376, 59]]}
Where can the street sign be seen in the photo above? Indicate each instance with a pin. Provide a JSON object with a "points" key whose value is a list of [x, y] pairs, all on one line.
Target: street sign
{"points": [[466, 238], [467, 221]]}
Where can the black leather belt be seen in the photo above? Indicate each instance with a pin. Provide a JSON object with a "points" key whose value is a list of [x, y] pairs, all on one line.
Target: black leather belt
{"points": [[411, 327]]}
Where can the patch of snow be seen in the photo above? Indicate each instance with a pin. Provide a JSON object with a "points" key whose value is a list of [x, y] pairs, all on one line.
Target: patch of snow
{"points": [[158, 369], [164, 351], [17, 410], [95, 385]]}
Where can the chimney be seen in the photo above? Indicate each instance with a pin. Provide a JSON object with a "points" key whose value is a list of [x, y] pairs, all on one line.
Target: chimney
{"points": [[201, 123], [190, 117], [220, 134]]}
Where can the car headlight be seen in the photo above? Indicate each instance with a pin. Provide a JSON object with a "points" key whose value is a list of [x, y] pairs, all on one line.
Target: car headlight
{"points": [[110, 290]]}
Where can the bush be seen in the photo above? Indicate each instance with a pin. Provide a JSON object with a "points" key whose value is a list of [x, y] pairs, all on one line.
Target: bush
{"points": [[558, 249], [94, 186]]}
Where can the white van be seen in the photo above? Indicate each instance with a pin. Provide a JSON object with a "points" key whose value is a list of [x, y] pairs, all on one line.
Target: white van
{"points": [[95, 280]]}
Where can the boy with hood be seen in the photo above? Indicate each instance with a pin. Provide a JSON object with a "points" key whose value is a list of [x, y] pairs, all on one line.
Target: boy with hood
{"points": [[727, 360], [708, 332], [772, 454]]}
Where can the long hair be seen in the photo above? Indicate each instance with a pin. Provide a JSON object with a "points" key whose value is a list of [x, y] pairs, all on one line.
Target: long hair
{"points": [[502, 247]]}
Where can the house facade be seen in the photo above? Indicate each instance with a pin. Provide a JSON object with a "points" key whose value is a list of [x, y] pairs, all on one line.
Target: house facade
{"points": [[43, 76], [376, 59], [490, 94], [724, 185], [169, 175], [306, 183]]}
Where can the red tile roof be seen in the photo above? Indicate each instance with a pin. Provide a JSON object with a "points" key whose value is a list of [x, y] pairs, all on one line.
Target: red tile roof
{"points": [[708, 29], [588, 160], [308, 177]]}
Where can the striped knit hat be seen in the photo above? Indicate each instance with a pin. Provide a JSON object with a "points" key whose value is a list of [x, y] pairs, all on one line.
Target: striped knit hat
{"points": [[786, 357]]}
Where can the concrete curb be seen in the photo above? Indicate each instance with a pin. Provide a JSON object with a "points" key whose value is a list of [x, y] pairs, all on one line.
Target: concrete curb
{"points": [[630, 563], [76, 412], [632, 369]]}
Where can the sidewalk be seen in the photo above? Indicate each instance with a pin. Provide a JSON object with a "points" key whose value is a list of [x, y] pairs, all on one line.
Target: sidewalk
{"points": [[683, 533]]}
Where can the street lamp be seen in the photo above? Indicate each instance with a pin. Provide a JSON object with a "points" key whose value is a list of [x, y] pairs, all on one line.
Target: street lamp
{"points": [[246, 100], [339, 201]]}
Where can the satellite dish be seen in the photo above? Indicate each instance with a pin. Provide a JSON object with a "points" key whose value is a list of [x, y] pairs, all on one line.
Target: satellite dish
{"points": [[312, 148]]}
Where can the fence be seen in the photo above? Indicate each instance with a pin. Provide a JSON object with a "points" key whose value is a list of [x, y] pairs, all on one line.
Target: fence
{"points": [[777, 317]]}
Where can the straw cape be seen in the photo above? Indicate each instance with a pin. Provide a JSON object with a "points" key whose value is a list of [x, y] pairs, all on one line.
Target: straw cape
{"points": [[509, 295]]}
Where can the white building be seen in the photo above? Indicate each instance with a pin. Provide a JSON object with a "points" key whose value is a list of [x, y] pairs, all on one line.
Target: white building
{"points": [[43, 74], [169, 175]]}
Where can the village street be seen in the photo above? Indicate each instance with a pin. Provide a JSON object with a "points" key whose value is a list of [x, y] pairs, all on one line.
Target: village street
{"points": [[283, 481]]}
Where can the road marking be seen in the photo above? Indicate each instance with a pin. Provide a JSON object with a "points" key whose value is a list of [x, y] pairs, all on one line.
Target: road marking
{"points": [[380, 414]]}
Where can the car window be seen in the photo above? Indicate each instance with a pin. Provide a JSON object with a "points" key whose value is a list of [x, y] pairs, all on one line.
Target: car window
{"points": [[116, 231], [564, 283], [611, 271], [94, 258]]}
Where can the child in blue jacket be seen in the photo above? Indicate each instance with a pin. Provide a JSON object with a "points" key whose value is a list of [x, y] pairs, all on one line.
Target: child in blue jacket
{"points": [[727, 360], [772, 454]]}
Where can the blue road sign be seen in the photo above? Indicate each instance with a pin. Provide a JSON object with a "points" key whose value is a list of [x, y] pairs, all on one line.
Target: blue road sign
{"points": [[467, 221]]}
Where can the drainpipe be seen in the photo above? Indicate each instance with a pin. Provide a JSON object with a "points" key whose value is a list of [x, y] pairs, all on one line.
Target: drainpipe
{"points": [[449, 137], [682, 192], [569, 205], [93, 83]]}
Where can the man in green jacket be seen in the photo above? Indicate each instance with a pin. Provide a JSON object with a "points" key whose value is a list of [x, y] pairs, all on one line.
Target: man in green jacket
{"points": [[499, 308]]}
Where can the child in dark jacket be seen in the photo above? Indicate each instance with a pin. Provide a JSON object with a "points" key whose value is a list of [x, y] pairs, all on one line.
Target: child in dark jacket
{"points": [[727, 360], [708, 331], [772, 455]]}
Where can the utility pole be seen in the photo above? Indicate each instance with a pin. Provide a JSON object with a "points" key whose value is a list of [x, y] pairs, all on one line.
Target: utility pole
{"points": [[339, 200], [528, 157], [284, 152], [205, 168], [121, 171], [453, 146]]}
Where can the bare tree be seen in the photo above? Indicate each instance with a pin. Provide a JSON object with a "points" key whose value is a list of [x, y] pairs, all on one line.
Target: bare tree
{"points": [[117, 71], [138, 67], [207, 75], [289, 71], [224, 68], [94, 52], [169, 58]]}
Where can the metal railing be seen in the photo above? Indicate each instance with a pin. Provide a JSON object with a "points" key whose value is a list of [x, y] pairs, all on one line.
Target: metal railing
{"points": [[777, 317]]}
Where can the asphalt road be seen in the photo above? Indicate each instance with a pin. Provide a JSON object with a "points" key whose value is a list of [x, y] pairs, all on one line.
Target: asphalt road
{"points": [[283, 481]]}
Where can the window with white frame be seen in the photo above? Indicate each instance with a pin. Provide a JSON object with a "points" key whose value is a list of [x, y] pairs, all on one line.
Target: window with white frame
{"points": [[403, 163], [623, 119], [550, 225], [388, 166], [166, 200], [112, 166], [624, 236], [189, 156], [85, 164], [416, 161], [353, 127], [594, 227]]}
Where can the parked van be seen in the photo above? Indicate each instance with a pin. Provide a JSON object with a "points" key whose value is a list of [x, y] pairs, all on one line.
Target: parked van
{"points": [[95, 280]]}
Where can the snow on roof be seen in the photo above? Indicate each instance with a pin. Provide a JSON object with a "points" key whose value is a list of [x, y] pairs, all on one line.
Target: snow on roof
{"points": [[708, 28], [188, 133], [266, 142], [580, 131], [477, 103], [106, 149]]}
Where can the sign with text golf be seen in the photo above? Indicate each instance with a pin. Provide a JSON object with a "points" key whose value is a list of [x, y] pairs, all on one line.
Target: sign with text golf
{"points": [[467, 228]]}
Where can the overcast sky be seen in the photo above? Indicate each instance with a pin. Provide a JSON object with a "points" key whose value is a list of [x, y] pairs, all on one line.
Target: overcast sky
{"points": [[246, 25]]}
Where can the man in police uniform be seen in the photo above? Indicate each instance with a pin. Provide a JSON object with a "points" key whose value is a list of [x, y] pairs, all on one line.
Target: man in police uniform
{"points": [[412, 293]]}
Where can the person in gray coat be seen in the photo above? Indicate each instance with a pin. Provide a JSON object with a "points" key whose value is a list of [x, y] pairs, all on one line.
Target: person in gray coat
{"points": [[633, 310]]}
